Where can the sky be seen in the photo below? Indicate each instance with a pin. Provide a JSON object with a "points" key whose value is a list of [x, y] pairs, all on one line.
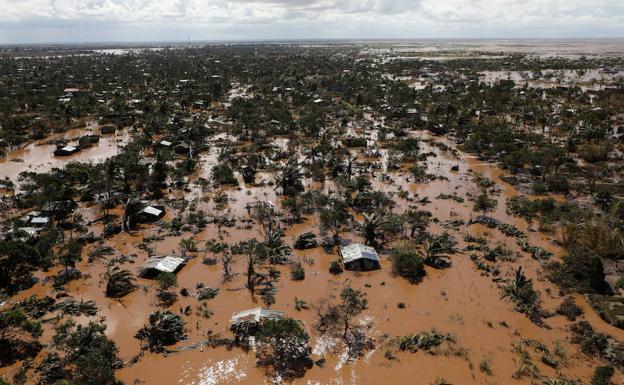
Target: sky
{"points": [[64, 21]]}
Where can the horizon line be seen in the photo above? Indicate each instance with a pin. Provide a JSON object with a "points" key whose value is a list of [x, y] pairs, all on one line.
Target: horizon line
{"points": [[304, 40]]}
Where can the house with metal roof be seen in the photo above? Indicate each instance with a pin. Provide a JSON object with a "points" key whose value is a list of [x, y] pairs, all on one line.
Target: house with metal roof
{"points": [[151, 213], [357, 256], [248, 320], [66, 150], [156, 265]]}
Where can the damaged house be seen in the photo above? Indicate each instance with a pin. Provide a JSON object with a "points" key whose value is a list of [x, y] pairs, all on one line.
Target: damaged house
{"points": [[247, 321]]}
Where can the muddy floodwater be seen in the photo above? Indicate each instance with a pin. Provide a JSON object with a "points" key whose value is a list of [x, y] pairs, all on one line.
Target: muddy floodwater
{"points": [[461, 300], [39, 156]]}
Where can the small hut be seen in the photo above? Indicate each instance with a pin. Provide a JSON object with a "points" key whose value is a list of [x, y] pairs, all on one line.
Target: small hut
{"points": [[157, 265], [151, 214], [357, 256], [247, 321], [66, 150]]}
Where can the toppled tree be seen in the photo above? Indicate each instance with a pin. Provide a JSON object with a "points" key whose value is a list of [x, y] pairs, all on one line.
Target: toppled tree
{"points": [[165, 328], [284, 346]]}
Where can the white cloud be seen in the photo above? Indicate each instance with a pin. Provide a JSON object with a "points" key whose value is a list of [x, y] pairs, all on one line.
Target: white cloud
{"points": [[222, 19]]}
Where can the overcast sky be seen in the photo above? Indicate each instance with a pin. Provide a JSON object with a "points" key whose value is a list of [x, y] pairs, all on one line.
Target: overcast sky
{"points": [[26, 21]]}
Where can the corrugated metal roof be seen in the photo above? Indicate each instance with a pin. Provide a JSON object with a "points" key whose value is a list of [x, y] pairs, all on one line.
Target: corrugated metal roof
{"points": [[256, 314], [152, 211], [357, 251], [164, 264]]}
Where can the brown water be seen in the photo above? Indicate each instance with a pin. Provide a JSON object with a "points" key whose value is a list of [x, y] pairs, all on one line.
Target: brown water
{"points": [[39, 157], [459, 300]]}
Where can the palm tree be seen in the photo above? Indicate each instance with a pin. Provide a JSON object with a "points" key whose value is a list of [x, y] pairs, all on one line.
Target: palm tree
{"points": [[370, 228], [119, 283], [520, 291], [289, 179]]}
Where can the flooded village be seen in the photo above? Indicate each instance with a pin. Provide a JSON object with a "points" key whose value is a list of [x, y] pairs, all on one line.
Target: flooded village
{"points": [[313, 213]]}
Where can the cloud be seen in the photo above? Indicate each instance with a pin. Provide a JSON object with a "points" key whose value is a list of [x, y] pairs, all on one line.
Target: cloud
{"points": [[21, 20]]}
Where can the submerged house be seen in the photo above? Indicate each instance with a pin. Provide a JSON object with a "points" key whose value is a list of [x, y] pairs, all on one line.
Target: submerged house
{"points": [[151, 214], [357, 256], [107, 129], [87, 141], [66, 150], [249, 320], [36, 219], [157, 265]]}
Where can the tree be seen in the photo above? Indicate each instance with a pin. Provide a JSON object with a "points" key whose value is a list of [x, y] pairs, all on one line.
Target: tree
{"points": [[17, 262], [339, 316], [370, 228], [289, 178], [86, 353], [418, 220], [484, 203], [225, 255], [581, 270], [119, 283], [72, 254], [165, 328], [334, 217], [250, 249], [18, 336], [284, 345]]}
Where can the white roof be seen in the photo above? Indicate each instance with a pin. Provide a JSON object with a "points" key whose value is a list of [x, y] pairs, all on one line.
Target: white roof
{"points": [[69, 148], [164, 264], [39, 220], [357, 251], [256, 314], [152, 210], [165, 143]]}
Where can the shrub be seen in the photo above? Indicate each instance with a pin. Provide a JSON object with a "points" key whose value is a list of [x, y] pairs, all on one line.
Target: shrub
{"points": [[569, 309], [335, 268], [297, 272], [408, 264], [602, 375]]}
